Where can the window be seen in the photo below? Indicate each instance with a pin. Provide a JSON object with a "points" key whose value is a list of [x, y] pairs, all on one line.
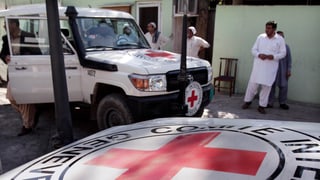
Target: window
{"points": [[99, 34], [149, 12], [192, 6], [32, 39]]}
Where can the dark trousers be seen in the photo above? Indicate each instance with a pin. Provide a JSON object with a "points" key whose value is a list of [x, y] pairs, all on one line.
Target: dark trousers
{"points": [[282, 95]]}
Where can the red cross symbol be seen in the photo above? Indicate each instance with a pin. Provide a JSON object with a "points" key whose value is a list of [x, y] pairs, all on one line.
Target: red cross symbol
{"points": [[183, 151], [159, 54], [192, 98]]}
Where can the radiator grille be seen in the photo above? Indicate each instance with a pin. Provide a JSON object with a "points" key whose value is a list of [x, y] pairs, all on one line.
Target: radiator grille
{"points": [[199, 74]]}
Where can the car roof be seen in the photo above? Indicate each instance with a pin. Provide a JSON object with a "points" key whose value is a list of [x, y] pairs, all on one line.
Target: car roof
{"points": [[40, 10]]}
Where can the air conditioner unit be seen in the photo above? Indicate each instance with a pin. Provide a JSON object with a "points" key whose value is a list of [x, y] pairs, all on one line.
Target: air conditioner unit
{"points": [[192, 6]]}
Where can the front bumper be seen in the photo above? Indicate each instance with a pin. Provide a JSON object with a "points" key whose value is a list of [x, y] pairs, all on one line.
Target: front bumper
{"points": [[143, 108]]}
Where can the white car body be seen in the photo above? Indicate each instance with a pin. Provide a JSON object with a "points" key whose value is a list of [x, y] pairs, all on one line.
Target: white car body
{"points": [[94, 72]]}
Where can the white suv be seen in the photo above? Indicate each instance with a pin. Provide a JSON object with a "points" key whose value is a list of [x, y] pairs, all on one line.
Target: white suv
{"points": [[117, 74]]}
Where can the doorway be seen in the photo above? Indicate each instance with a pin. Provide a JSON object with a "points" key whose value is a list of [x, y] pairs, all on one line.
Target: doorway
{"points": [[148, 12]]}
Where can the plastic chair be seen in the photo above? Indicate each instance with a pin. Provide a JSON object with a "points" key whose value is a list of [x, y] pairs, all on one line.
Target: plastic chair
{"points": [[227, 73]]}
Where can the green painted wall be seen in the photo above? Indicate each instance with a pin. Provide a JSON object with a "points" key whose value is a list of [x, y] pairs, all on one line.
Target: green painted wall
{"points": [[21, 2], [237, 27]]}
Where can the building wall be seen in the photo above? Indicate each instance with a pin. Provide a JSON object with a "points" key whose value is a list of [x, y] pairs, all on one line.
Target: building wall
{"points": [[11, 3], [237, 27], [200, 22]]}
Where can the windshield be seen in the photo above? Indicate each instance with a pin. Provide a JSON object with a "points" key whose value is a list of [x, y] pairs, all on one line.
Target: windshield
{"points": [[110, 33]]}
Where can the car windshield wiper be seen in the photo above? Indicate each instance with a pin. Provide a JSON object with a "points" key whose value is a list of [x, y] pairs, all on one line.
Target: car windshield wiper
{"points": [[132, 45], [99, 48], [126, 43]]}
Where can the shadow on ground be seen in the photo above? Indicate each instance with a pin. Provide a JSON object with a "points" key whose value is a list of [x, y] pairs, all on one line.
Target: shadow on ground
{"points": [[19, 150]]}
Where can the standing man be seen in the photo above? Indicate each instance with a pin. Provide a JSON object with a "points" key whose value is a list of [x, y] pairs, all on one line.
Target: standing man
{"points": [[20, 46], [154, 37], [284, 72], [195, 43], [268, 49]]}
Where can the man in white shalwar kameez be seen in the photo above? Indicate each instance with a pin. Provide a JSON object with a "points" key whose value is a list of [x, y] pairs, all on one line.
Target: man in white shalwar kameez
{"points": [[155, 38], [268, 49], [195, 43]]}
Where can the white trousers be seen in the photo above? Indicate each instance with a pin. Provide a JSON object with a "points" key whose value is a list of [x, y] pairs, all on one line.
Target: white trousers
{"points": [[252, 90]]}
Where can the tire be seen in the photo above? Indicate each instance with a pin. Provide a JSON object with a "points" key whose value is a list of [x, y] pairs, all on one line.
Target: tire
{"points": [[199, 112], [113, 111]]}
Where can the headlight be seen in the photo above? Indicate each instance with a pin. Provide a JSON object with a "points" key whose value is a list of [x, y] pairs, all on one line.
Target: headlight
{"points": [[210, 73], [149, 82]]}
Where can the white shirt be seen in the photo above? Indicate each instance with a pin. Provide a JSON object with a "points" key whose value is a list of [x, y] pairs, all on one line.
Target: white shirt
{"points": [[194, 44], [162, 41], [265, 71]]}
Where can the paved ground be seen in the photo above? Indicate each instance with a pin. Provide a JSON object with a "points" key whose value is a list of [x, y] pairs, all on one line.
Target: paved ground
{"points": [[224, 106], [15, 151]]}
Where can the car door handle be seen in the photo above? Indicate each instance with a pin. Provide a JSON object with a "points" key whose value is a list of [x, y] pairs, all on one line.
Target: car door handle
{"points": [[21, 68], [71, 67]]}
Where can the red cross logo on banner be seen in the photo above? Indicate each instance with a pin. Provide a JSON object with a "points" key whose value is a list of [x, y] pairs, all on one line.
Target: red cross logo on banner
{"points": [[159, 54], [183, 151], [192, 99]]}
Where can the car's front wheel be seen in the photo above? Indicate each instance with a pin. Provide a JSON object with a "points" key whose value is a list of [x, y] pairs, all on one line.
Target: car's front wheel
{"points": [[199, 112], [113, 111]]}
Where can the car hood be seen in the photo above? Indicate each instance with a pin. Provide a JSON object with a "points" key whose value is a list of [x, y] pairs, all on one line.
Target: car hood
{"points": [[145, 60]]}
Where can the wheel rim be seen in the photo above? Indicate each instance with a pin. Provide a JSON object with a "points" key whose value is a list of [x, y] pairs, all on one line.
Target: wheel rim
{"points": [[113, 118]]}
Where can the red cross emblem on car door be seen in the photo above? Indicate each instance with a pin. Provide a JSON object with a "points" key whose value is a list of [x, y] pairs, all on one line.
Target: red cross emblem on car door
{"points": [[183, 151]]}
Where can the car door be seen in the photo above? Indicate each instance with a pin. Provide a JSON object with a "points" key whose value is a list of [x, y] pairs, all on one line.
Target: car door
{"points": [[30, 75]]}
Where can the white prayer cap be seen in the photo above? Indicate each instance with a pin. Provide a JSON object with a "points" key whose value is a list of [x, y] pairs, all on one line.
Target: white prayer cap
{"points": [[193, 29], [153, 24], [126, 25]]}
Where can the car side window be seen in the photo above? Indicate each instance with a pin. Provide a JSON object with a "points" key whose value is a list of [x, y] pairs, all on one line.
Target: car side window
{"points": [[67, 39], [27, 36]]}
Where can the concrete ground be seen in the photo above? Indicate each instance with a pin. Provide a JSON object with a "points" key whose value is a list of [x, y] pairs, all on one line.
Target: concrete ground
{"points": [[15, 150], [224, 106]]}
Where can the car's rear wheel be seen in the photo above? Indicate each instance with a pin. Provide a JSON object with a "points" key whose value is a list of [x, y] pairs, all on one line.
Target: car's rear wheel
{"points": [[113, 111]]}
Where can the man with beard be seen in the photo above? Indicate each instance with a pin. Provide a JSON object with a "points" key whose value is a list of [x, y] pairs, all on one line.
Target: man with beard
{"points": [[268, 49]]}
